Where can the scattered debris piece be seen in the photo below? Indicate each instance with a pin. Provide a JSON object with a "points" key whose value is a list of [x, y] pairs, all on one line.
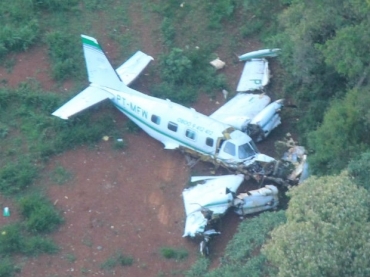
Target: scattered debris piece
{"points": [[218, 64]]}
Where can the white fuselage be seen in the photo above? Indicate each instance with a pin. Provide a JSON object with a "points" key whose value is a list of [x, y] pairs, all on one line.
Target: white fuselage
{"points": [[177, 126]]}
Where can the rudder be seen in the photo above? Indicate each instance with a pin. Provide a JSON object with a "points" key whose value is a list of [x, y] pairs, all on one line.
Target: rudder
{"points": [[99, 69]]}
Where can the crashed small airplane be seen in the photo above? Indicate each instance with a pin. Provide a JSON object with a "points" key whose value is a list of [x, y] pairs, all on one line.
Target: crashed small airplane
{"points": [[221, 138], [209, 200]]}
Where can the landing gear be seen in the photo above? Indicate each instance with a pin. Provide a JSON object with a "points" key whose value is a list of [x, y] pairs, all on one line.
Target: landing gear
{"points": [[204, 244]]}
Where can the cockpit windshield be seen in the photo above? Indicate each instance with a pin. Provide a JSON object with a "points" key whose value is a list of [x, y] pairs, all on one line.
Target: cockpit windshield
{"points": [[246, 150]]}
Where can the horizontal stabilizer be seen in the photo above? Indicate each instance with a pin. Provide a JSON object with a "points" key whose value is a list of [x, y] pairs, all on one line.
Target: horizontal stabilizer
{"points": [[85, 99], [132, 68]]}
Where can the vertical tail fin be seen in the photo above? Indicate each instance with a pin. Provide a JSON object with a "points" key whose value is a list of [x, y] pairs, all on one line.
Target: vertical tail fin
{"points": [[99, 69]]}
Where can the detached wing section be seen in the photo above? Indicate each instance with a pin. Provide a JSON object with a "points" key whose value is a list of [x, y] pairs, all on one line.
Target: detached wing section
{"points": [[132, 68], [85, 99], [214, 197], [241, 109], [255, 75]]}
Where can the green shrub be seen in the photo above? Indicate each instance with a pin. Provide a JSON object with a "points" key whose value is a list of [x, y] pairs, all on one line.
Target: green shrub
{"points": [[7, 268], [20, 26], [185, 73], [38, 245], [16, 176], [10, 239], [199, 268], [176, 93], [117, 259], [218, 11], [66, 54], [16, 38], [359, 169], [54, 5], [174, 253], [94, 5], [168, 31], [60, 175], [340, 137], [40, 215]]}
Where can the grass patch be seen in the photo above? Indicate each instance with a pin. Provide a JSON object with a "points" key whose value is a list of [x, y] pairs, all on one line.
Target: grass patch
{"points": [[70, 257], [60, 175], [40, 215], [174, 253], [7, 268], [242, 253], [118, 259], [14, 239], [16, 176]]}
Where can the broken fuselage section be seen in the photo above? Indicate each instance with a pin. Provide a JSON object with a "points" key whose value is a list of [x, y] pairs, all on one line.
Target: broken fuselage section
{"points": [[212, 196]]}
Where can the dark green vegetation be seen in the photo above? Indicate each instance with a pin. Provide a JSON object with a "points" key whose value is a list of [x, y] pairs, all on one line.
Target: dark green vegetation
{"points": [[327, 230], [173, 253], [242, 256], [323, 70]]}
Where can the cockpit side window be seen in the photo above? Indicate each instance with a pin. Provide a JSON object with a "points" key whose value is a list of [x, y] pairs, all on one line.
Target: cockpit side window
{"points": [[246, 150], [229, 148]]}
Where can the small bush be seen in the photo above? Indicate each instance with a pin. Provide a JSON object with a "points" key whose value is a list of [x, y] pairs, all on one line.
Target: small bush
{"points": [[117, 259], [359, 169], [16, 176], [173, 253], [60, 175], [40, 214], [7, 268], [168, 31], [66, 56], [54, 5], [219, 10], [38, 245], [176, 93], [10, 239], [199, 268]]}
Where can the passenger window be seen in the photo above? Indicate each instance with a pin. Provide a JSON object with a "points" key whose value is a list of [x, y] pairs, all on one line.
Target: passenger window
{"points": [[156, 119], [229, 148], [209, 142], [190, 134], [172, 126]]}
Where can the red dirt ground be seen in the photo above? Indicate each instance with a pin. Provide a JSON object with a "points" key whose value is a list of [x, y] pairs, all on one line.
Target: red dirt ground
{"points": [[118, 200]]}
